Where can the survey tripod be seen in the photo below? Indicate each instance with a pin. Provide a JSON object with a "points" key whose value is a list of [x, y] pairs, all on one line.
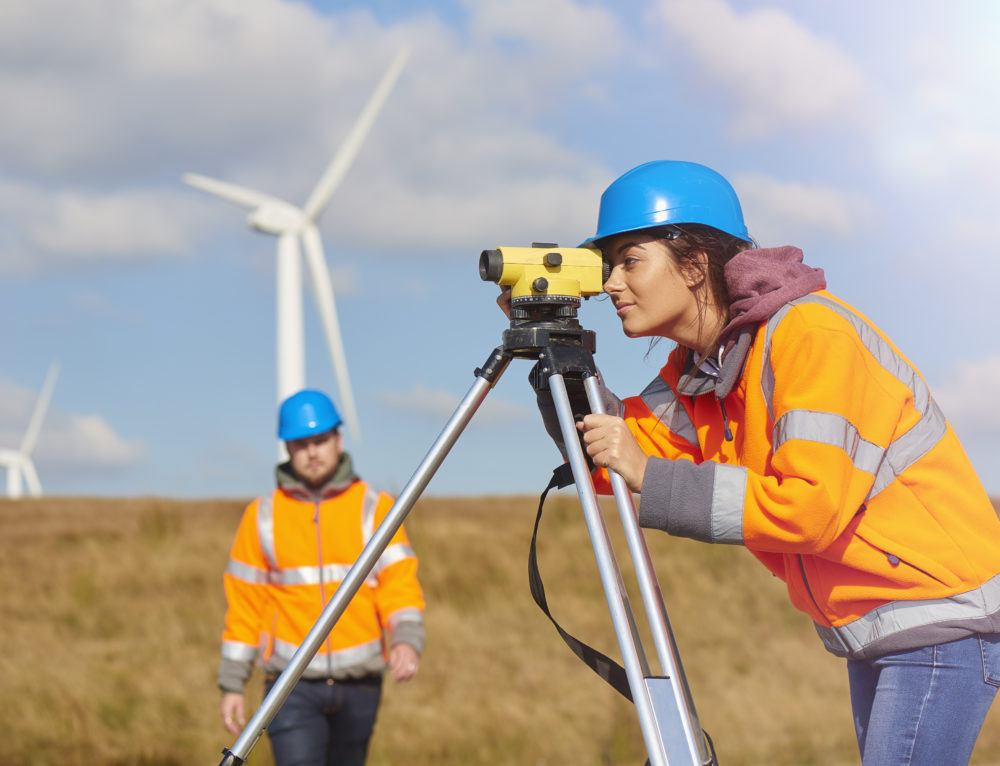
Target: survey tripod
{"points": [[550, 334]]}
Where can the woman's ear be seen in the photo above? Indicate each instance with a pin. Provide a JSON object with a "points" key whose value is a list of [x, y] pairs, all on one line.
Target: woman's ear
{"points": [[695, 269]]}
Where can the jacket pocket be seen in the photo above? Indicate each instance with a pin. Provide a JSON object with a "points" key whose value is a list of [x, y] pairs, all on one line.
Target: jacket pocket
{"points": [[905, 565], [895, 561]]}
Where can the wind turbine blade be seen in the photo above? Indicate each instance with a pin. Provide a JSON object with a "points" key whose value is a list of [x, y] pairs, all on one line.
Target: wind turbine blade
{"points": [[345, 155], [35, 426], [323, 292], [240, 195], [31, 478]]}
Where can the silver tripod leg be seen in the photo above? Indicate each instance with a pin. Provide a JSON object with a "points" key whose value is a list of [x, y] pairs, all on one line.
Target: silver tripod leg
{"points": [[666, 715], [361, 568], [663, 703]]}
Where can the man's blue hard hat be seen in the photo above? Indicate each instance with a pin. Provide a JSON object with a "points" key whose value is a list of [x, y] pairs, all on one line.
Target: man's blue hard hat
{"points": [[306, 413], [667, 192]]}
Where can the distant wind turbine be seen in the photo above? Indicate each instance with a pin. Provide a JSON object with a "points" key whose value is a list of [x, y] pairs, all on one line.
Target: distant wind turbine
{"points": [[291, 224], [20, 468]]}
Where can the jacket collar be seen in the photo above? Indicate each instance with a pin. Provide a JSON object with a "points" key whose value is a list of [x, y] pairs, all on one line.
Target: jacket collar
{"points": [[343, 477], [760, 282]]}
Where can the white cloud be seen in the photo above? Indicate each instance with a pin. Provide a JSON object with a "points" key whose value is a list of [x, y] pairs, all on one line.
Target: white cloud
{"points": [[262, 93], [779, 73], [968, 398], [66, 440], [85, 441], [779, 210], [80, 224], [557, 30]]}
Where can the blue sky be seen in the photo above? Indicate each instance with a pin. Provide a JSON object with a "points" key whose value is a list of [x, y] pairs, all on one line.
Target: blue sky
{"points": [[867, 134]]}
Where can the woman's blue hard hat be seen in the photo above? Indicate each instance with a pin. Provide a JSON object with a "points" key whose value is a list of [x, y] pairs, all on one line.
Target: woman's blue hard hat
{"points": [[665, 192], [305, 414]]}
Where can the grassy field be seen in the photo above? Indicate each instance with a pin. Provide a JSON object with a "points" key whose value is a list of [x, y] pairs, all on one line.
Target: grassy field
{"points": [[112, 615]]}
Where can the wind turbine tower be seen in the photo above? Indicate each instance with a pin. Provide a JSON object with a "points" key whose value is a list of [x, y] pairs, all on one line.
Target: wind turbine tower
{"points": [[293, 225], [19, 465]]}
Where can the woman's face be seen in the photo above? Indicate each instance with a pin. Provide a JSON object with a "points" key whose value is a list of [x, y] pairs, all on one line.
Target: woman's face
{"points": [[652, 295]]}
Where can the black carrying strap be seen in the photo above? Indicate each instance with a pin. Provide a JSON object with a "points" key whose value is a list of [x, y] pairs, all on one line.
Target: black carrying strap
{"points": [[600, 663]]}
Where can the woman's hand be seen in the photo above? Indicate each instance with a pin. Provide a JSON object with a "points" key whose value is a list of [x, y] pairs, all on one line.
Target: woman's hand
{"points": [[610, 444], [503, 300]]}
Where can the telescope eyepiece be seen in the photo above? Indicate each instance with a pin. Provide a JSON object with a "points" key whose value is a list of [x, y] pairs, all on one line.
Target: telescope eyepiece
{"points": [[491, 265]]}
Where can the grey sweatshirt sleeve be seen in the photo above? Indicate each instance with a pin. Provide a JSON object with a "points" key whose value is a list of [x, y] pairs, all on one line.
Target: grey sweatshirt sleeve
{"points": [[700, 501], [234, 674], [407, 627]]}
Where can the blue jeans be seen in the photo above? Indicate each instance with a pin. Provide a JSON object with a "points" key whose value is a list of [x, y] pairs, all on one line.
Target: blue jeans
{"points": [[924, 707], [324, 723]]}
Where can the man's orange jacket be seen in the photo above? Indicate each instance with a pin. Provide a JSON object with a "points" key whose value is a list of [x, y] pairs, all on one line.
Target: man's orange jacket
{"points": [[292, 549]]}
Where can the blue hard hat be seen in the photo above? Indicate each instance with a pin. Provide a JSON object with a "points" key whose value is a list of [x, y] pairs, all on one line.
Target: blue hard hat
{"points": [[305, 414], [667, 192]]}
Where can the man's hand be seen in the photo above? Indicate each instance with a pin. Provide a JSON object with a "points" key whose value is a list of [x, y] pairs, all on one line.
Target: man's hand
{"points": [[232, 709], [610, 444], [403, 662]]}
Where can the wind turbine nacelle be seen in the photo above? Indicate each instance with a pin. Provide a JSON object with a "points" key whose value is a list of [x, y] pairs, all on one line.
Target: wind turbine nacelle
{"points": [[276, 219]]}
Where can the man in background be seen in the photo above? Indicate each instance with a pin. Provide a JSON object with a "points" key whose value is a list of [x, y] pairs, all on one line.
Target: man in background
{"points": [[292, 549]]}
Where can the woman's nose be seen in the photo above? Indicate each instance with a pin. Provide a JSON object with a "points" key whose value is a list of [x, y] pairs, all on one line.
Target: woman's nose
{"points": [[613, 282]]}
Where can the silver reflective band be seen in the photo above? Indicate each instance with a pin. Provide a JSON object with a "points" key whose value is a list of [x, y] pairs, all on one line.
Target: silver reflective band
{"points": [[828, 428], [898, 616], [265, 529], [368, 515], [664, 406], [728, 499], [233, 650], [246, 573], [310, 575], [907, 448], [324, 663], [393, 555]]}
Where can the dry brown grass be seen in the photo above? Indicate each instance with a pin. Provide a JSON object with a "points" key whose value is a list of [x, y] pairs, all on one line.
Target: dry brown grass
{"points": [[112, 614]]}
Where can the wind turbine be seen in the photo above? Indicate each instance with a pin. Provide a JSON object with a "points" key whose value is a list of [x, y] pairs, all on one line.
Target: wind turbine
{"points": [[20, 468], [292, 224]]}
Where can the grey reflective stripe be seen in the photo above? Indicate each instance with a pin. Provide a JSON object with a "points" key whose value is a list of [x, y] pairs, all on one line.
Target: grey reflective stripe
{"points": [[897, 616], [245, 572], [329, 573], [729, 491], [907, 448], [265, 529], [662, 402], [828, 428], [368, 507], [911, 446], [234, 650], [324, 663], [393, 555], [310, 575], [408, 614]]}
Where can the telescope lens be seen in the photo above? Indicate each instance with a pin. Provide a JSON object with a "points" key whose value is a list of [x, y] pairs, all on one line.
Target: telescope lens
{"points": [[491, 265]]}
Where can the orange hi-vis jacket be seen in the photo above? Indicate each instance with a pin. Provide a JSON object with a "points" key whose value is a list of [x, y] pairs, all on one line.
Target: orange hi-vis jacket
{"points": [[831, 462], [292, 549]]}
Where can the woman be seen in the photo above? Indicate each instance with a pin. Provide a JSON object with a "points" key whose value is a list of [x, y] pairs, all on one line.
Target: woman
{"points": [[786, 422]]}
